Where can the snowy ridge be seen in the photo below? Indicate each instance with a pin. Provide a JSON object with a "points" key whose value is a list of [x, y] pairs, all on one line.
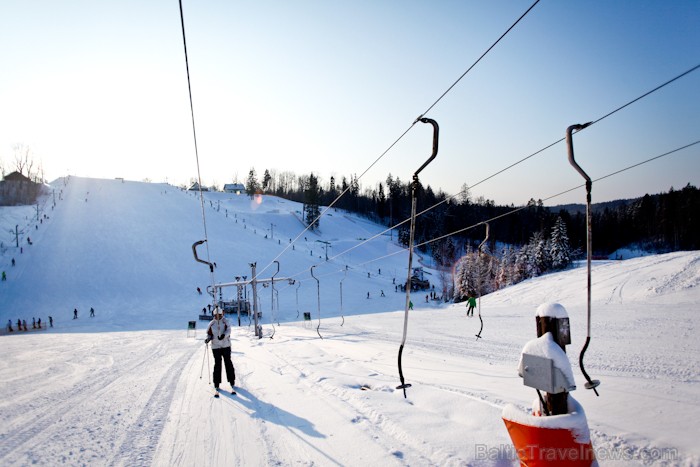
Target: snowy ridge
{"points": [[128, 387]]}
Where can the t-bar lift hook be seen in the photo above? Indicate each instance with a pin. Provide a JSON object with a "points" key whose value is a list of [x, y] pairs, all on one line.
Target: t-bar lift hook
{"points": [[478, 336], [591, 383], [414, 188], [318, 298]]}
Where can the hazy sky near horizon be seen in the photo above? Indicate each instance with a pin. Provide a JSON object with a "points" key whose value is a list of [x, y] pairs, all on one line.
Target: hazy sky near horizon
{"points": [[99, 89]]}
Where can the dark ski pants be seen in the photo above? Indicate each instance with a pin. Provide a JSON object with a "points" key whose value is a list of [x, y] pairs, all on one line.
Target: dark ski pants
{"points": [[224, 353]]}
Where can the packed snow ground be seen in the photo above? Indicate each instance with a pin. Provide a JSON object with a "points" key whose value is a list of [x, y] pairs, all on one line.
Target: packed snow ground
{"points": [[128, 387]]}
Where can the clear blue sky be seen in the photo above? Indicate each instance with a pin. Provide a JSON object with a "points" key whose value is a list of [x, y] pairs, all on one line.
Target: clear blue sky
{"points": [[98, 88]]}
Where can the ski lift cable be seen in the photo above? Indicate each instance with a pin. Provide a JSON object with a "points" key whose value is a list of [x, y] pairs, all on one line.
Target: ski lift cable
{"points": [[526, 206], [509, 166], [514, 211], [657, 88], [478, 60], [196, 153], [556, 142], [391, 146]]}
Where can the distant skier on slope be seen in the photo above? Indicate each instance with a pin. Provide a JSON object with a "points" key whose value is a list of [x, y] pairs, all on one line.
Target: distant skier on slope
{"points": [[471, 304], [219, 334]]}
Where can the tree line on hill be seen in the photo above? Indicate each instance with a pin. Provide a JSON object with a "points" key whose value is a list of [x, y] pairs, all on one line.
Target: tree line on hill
{"points": [[523, 244]]}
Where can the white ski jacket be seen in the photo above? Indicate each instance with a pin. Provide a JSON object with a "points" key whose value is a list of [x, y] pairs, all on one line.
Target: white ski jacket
{"points": [[216, 328]]}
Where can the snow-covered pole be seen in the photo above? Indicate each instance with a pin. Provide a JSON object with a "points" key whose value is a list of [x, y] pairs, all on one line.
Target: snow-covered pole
{"points": [[272, 299], [590, 384], [414, 188], [318, 297], [254, 284]]}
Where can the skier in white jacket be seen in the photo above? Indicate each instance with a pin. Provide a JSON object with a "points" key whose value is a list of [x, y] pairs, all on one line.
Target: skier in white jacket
{"points": [[219, 334]]}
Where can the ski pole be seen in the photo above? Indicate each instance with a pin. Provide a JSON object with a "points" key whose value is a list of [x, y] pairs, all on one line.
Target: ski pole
{"points": [[208, 367], [201, 370]]}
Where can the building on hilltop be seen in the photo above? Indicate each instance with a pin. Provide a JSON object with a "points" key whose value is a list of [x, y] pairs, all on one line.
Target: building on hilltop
{"points": [[237, 188], [195, 187], [16, 189]]}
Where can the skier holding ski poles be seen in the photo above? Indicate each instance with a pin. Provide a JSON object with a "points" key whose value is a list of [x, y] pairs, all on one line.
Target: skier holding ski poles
{"points": [[219, 334]]}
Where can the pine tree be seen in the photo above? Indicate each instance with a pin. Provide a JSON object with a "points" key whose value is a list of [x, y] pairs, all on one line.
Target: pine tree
{"points": [[266, 181], [311, 202], [540, 251], [251, 185], [559, 248]]}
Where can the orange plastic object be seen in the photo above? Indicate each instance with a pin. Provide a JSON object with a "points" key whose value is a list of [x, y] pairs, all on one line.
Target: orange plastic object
{"points": [[538, 446]]}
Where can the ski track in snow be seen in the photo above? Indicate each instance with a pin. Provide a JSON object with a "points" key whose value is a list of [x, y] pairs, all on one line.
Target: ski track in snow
{"points": [[30, 422]]}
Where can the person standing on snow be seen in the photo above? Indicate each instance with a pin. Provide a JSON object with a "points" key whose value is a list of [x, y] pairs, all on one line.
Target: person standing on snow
{"points": [[75, 313], [92, 312], [219, 334], [471, 304]]}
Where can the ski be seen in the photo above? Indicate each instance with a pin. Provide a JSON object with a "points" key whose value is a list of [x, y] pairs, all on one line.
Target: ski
{"points": [[218, 392]]}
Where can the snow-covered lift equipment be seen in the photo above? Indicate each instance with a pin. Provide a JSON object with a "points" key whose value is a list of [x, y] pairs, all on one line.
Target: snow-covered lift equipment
{"points": [[414, 188], [253, 282], [272, 300], [557, 423], [478, 336], [590, 384], [318, 297]]}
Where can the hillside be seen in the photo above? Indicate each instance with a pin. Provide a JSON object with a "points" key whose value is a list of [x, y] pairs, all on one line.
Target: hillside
{"points": [[130, 387], [137, 237]]}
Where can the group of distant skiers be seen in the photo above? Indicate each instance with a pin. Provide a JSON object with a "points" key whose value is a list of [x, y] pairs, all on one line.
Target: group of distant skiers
{"points": [[75, 313], [37, 324], [22, 324]]}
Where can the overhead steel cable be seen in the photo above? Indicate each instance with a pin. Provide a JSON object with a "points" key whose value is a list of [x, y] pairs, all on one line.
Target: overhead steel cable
{"points": [[478, 60], [526, 158], [407, 129], [500, 216], [196, 150]]}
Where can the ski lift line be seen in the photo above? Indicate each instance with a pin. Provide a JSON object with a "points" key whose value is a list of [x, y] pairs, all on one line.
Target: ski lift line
{"points": [[341, 194], [478, 60], [485, 179], [419, 118], [555, 142], [561, 193], [647, 93], [473, 226], [196, 150]]}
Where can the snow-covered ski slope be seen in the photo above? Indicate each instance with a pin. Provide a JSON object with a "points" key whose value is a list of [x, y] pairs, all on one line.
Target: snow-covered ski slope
{"points": [[128, 387]]}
